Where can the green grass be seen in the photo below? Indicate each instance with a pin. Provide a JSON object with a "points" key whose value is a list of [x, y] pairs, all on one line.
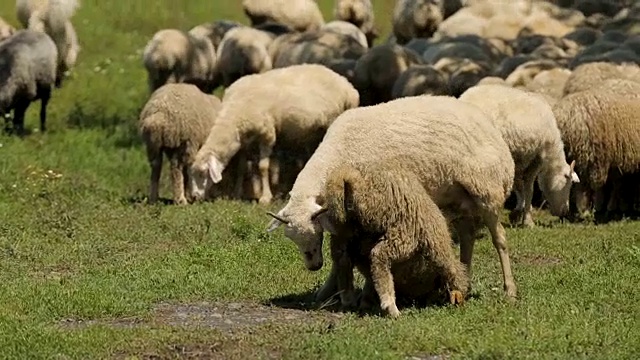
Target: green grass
{"points": [[81, 247]]}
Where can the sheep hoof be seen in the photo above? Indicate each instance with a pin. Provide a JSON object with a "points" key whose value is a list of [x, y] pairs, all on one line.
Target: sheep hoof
{"points": [[264, 200], [456, 297], [392, 311], [181, 201]]}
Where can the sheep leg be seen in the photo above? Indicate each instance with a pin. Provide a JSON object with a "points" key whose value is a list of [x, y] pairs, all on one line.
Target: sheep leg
{"points": [[155, 160], [344, 272], [527, 220], [263, 167], [18, 117], [368, 294], [381, 259], [177, 180], [465, 230], [499, 239], [582, 198], [241, 171], [330, 286], [452, 270], [45, 95], [516, 215]]}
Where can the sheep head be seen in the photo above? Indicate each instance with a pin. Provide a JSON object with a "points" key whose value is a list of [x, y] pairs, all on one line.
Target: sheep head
{"points": [[203, 174], [303, 227], [556, 187]]}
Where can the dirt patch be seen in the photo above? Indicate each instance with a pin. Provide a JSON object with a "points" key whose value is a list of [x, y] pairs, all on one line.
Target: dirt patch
{"points": [[539, 260], [213, 315], [228, 316]]}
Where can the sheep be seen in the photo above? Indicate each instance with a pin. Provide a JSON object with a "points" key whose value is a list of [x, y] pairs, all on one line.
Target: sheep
{"points": [[550, 83], [529, 128], [587, 76], [28, 70], [601, 131], [6, 29], [466, 74], [175, 122], [460, 157], [347, 28], [299, 15], [524, 73], [385, 223], [420, 18], [318, 47], [377, 71], [359, 13], [293, 105], [217, 29], [53, 18], [419, 80], [243, 51], [173, 56]]}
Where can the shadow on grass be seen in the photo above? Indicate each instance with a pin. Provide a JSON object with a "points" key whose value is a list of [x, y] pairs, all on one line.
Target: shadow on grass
{"points": [[305, 301], [141, 199]]}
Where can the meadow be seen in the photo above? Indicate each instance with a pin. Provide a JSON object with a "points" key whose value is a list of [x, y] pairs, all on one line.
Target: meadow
{"points": [[88, 270]]}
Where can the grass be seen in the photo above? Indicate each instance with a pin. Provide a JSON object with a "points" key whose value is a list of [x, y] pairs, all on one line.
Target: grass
{"points": [[84, 265]]}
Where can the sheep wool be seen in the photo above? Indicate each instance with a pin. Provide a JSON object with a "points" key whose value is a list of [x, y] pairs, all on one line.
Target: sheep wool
{"points": [[401, 242], [529, 128], [299, 15], [6, 30], [175, 122], [359, 13], [601, 131], [459, 156], [27, 73], [293, 106]]}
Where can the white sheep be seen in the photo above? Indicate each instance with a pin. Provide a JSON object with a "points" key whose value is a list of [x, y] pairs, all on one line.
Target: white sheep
{"points": [[383, 221], [460, 157], [359, 13], [175, 56], [292, 105], [299, 15], [175, 122], [590, 75], [28, 65], [348, 29], [529, 128], [53, 17], [6, 29], [242, 51]]}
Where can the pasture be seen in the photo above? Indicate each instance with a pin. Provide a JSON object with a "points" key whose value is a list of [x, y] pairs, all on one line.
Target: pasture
{"points": [[87, 270]]}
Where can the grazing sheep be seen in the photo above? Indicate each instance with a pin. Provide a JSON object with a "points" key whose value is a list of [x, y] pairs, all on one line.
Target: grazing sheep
{"points": [[175, 122], [529, 128], [588, 76], [550, 83], [317, 47], [299, 15], [360, 14], [53, 18], [344, 67], [243, 51], [420, 80], [419, 18], [461, 160], [218, 29], [6, 30], [523, 75], [377, 71], [173, 56], [466, 74], [28, 65], [347, 28], [383, 222], [601, 131], [293, 105]]}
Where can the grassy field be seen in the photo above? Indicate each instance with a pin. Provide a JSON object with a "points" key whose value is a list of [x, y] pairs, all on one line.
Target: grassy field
{"points": [[88, 271]]}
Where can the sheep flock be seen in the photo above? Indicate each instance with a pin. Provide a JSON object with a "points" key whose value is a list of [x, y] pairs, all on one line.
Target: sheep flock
{"points": [[400, 146]]}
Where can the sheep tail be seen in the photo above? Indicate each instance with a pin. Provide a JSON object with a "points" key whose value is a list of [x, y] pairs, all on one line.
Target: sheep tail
{"points": [[151, 130]]}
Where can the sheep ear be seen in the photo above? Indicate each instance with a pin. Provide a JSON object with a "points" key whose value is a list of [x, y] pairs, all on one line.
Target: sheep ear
{"points": [[215, 169], [574, 175]]}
